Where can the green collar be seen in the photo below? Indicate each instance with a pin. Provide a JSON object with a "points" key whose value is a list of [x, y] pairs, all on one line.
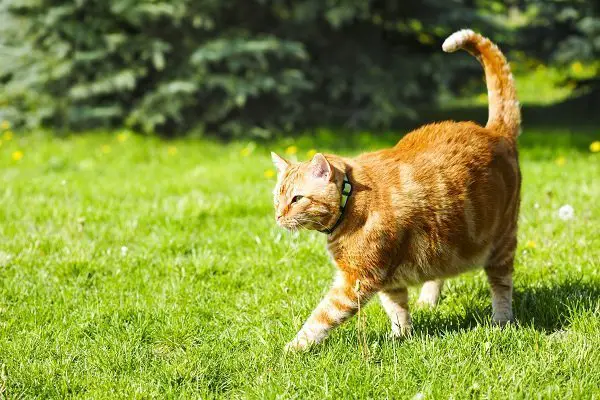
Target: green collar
{"points": [[346, 192]]}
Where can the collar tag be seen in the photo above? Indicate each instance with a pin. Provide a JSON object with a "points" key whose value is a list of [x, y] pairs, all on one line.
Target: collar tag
{"points": [[346, 192]]}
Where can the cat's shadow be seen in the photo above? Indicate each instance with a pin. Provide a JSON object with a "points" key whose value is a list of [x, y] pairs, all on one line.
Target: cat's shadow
{"points": [[546, 308]]}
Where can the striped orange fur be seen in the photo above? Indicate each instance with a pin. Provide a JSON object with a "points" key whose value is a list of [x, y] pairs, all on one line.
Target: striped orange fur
{"points": [[444, 200]]}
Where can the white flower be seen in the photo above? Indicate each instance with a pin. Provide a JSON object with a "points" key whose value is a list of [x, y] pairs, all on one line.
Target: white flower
{"points": [[536, 206], [566, 212], [124, 250], [5, 259], [419, 396]]}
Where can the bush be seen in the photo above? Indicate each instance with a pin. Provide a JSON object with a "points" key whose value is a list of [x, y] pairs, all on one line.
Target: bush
{"points": [[566, 33], [228, 66]]}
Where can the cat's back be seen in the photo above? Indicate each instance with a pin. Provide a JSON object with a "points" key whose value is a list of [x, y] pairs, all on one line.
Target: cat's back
{"points": [[446, 147], [450, 140]]}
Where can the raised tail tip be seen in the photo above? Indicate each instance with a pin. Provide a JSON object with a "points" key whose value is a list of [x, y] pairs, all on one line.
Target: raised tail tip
{"points": [[457, 40]]}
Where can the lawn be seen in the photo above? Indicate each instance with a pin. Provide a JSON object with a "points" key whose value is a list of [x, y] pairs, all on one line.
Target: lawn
{"points": [[134, 267]]}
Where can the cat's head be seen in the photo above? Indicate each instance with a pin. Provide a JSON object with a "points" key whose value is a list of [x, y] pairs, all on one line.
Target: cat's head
{"points": [[307, 194]]}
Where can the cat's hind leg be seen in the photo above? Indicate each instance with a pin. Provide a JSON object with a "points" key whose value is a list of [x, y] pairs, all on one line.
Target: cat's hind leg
{"points": [[499, 271], [395, 304], [430, 293]]}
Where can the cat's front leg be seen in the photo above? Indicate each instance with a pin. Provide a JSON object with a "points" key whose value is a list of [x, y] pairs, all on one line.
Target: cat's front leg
{"points": [[341, 302], [395, 304]]}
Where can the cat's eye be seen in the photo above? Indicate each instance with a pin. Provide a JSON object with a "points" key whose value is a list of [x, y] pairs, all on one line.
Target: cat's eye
{"points": [[296, 198]]}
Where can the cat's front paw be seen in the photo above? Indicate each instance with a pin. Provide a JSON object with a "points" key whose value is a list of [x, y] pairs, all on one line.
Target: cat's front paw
{"points": [[299, 344], [401, 332]]}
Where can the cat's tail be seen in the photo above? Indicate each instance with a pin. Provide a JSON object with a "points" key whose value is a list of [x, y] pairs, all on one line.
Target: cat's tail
{"points": [[504, 109]]}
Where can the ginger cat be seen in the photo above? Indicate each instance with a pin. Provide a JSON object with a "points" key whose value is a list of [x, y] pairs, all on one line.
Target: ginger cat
{"points": [[442, 201]]}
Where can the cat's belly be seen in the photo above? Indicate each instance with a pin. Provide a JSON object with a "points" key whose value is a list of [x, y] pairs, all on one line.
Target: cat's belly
{"points": [[448, 265]]}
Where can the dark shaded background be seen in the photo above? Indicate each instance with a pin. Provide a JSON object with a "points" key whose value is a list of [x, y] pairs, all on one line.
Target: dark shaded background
{"points": [[257, 67]]}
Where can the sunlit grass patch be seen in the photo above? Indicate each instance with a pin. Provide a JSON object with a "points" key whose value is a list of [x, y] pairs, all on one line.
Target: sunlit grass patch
{"points": [[155, 270]]}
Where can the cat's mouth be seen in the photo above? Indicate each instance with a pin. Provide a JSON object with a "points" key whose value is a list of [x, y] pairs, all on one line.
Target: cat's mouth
{"points": [[292, 225]]}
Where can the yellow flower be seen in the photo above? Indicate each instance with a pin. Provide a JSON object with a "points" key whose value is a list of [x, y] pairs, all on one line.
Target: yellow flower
{"points": [[577, 67], [269, 173], [311, 153], [291, 150], [105, 149], [530, 244], [4, 125], [595, 146], [8, 135], [560, 161], [17, 155], [424, 38], [172, 150], [248, 149], [121, 137]]}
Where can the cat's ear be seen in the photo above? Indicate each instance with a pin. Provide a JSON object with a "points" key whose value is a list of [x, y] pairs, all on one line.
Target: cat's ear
{"points": [[320, 167], [280, 163]]}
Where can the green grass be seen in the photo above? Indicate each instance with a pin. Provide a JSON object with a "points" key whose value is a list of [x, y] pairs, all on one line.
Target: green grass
{"points": [[208, 289]]}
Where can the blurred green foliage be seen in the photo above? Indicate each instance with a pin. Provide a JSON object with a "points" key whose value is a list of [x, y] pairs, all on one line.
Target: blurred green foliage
{"points": [[565, 33], [250, 67]]}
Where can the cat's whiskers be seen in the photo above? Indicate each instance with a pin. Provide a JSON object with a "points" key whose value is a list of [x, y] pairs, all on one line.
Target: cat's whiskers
{"points": [[311, 221]]}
